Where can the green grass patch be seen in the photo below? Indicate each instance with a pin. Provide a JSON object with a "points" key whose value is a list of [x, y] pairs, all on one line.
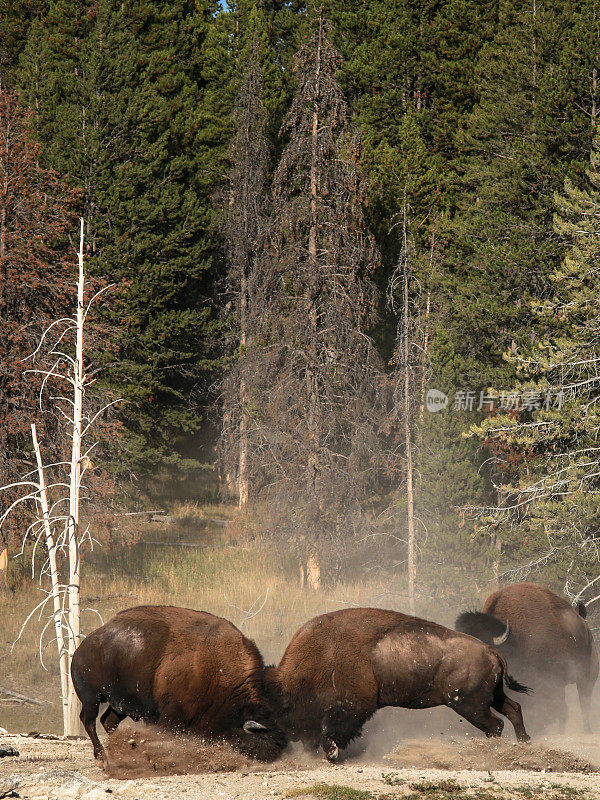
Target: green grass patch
{"points": [[451, 790], [331, 791]]}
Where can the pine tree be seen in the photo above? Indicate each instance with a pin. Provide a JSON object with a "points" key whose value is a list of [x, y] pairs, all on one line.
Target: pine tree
{"points": [[500, 248], [549, 508], [316, 383], [16, 18], [120, 94]]}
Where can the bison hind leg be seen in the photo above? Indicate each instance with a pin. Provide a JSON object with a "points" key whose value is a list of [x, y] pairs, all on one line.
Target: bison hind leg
{"points": [[479, 715], [584, 691], [512, 711], [110, 719]]}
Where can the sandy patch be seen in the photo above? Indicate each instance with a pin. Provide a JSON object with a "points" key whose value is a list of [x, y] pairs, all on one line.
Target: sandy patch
{"points": [[486, 754]]}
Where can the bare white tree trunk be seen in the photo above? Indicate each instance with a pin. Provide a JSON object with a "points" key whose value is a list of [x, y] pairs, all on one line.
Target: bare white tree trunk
{"points": [[405, 336], [313, 567], [63, 656], [72, 727], [243, 482], [61, 529], [311, 378], [412, 570], [4, 544]]}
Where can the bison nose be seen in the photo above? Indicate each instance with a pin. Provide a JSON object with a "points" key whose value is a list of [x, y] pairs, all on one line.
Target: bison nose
{"points": [[251, 727]]}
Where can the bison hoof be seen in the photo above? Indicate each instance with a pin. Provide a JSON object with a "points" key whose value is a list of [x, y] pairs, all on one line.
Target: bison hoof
{"points": [[332, 753]]}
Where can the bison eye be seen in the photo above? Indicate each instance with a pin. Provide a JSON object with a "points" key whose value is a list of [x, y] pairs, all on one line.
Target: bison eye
{"points": [[251, 727]]}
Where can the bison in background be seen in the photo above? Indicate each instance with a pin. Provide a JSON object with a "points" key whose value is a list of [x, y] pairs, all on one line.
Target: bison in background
{"points": [[543, 638], [182, 669], [339, 668]]}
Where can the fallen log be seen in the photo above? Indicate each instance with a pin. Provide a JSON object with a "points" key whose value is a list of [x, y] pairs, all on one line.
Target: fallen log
{"points": [[22, 697]]}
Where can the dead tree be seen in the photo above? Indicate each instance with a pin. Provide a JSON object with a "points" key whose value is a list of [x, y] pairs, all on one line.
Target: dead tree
{"points": [[66, 379], [410, 299], [316, 382], [243, 228]]}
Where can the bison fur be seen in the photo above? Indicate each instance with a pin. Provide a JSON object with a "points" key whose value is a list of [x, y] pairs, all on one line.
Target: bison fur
{"points": [[549, 644], [182, 669], [339, 668]]}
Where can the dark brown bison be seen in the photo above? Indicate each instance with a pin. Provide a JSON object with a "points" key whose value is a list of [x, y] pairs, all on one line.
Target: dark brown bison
{"points": [[339, 668], [543, 638], [182, 669]]}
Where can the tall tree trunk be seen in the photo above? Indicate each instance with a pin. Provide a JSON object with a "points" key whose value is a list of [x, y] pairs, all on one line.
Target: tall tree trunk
{"points": [[63, 655], [311, 294], [411, 564], [3, 543], [313, 569], [243, 488], [74, 492]]}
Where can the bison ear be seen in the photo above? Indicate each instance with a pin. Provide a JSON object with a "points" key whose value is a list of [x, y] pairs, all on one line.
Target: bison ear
{"points": [[251, 727], [498, 640]]}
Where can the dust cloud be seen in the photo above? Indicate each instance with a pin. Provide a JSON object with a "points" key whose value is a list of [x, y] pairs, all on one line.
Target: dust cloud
{"points": [[396, 738]]}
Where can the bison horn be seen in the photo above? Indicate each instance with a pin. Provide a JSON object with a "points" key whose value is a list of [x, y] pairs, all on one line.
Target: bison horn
{"points": [[498, 640], [251, 727]]}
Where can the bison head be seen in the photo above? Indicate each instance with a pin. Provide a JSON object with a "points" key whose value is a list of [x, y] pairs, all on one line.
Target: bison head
{"points": [[483, 626], [259, 734]]}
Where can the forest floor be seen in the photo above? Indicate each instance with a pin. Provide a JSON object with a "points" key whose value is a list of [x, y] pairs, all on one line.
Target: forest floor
{"points": [[145, 766]]}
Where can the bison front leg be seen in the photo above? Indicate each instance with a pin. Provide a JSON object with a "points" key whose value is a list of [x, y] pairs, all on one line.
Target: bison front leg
{"points": [[89, 712], [330, 748], [340, 725]]}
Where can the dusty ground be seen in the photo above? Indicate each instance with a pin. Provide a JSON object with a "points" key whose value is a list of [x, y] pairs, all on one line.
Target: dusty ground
{"points": [[147, 766]]}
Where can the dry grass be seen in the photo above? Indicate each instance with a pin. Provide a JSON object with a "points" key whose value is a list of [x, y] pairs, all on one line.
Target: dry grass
{"points": [[226, 572]]}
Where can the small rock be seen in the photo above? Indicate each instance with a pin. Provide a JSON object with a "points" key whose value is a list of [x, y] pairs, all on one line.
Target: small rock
{"points": [[8, 751]]}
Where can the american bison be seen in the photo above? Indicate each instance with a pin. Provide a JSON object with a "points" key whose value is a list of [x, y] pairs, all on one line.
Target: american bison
{"points": [[341, 667], [543, 638], [183, 669]]}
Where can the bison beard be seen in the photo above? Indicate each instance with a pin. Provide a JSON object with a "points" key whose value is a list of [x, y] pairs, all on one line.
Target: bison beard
{"points": [[339, 668], [185, 670], [539, 623]]}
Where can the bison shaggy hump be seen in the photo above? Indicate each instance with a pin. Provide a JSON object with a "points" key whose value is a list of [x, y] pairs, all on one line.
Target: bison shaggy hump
{"points": [[182, 669]]}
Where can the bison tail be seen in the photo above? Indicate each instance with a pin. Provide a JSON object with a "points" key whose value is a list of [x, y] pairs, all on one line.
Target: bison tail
{"points": [[581, 609], [513, 684]]}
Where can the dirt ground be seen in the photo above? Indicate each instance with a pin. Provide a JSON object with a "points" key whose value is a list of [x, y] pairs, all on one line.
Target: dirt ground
{"points": [[146, 765]]}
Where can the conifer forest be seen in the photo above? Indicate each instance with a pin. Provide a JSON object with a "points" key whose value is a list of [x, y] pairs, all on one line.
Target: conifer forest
{"points": [[348, 265]]}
